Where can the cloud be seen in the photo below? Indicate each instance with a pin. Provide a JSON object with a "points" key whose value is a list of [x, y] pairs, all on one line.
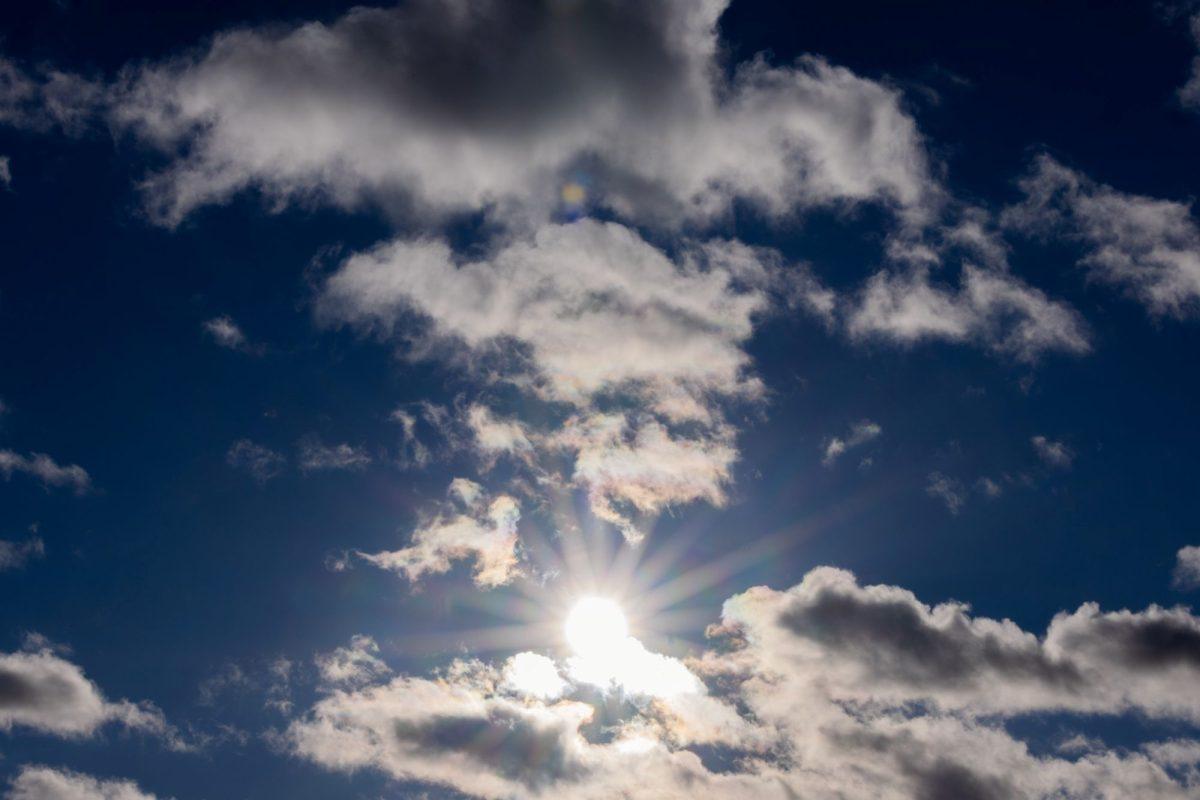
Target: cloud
{"points": [[827, 689], [46, 469], [5, 172], [14, 555], [949, 490], [1056, 454], [1147, 247], [472, 528], [48, 99], [860, 433], [578, 314], [990, 307], [457, 107], [228, 334], [1187, 569], [1189, 93], [261, 462], [42, 691], [315, 456], [48, 783], [355, 665]]}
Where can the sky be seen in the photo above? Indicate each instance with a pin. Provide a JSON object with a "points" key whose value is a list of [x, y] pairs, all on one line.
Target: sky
{"points": [[599, 398]]}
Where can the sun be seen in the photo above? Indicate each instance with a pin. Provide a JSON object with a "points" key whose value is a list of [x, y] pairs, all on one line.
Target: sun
{"points": [[596, 626]]}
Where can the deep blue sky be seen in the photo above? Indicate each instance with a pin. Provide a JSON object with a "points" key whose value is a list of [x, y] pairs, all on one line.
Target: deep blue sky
{"points": [[177, 565]]}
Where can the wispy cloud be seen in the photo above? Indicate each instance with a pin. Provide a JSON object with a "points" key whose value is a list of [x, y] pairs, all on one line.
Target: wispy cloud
{"points": [[262, 463], [47, 470]]}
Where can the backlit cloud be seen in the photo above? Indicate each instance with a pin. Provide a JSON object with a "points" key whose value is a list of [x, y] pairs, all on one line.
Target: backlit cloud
{"points": [[828, 689]]}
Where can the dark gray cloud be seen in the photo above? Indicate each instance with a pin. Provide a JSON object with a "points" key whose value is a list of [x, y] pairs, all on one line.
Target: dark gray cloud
{"points": [[518, 747]]}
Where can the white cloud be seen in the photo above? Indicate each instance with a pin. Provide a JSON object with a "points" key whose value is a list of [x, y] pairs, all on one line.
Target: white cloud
{"points": [[580, 313], [355, 665], [14, 555], [315, 456], [5, 172], [477, 530], [990, 307], [261, 462], [459, 107], [1187, 569], [533, 675], [949, 490], [495, 437], [48, 783], [45, 469], [227, 333], [44, 692], [1056, 454], [860, 433], [828, 689], [1148, 247]]}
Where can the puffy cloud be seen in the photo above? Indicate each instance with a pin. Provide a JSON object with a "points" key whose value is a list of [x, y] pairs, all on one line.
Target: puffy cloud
{"points": [[828, 689], [533, 675], [629, 462], [14, 555], [49, 783], [1187, 569], [354, 665], [459, 106], [594, 312], [315, 456], [885, 646], [990, 307], [261, 462], [1056, 454], [45, 469], [42, 691], [1148, 247], [227, 333], [949, 490], [474, 529], [495, 437], [860, 433]]}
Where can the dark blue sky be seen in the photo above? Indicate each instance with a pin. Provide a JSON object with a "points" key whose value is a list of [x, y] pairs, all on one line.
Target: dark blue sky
{"points": [[176, 564]]}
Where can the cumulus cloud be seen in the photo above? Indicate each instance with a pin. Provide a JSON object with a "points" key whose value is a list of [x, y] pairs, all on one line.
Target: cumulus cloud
{"points": [[262, 463], [46, 469], [579, 313], [455, 106], [990, 307], [14, 555], [34, 782], [1147, 247], [1056, 454], [315, 456], [860, 433], [827, 689], [1187, 569], [42, 691], [474, 527]]}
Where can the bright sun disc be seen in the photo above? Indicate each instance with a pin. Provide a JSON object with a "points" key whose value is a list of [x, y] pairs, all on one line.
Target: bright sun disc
{"points": [[596, 625]]}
